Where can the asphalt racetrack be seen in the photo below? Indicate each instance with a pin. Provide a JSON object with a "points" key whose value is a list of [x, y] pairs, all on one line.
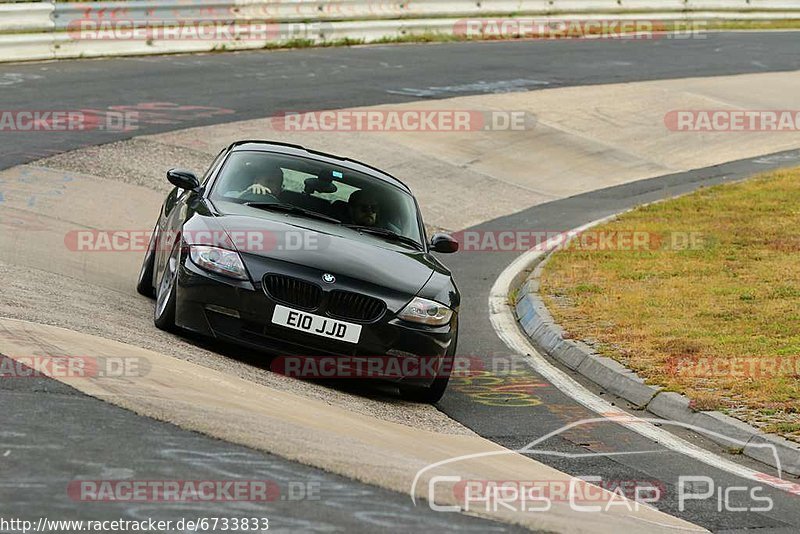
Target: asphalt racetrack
{"points": [[45, 423]]}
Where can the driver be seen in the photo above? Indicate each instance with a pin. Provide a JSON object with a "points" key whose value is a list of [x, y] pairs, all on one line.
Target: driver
{"points": [[269, 183]]}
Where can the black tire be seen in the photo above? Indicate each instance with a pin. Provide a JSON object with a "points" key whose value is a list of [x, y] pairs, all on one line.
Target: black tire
{"points": [[164, 312], [144, 286], [432, 393], [428, 394]]}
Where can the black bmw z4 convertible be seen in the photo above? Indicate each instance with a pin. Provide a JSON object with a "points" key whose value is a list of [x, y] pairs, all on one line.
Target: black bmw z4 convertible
{"points": [[306, 255]]}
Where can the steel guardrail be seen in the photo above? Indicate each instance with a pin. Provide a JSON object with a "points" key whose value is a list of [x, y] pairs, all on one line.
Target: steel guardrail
{"points": [[53, 30]]}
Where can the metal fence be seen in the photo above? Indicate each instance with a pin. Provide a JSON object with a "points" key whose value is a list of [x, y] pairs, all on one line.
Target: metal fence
{"points": [[48, 30]]}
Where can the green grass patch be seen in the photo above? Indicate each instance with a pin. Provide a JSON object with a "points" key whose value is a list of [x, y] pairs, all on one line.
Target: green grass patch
{"points": [[718, 321]]}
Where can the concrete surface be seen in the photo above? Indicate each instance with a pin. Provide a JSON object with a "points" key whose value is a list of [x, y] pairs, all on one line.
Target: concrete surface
{"points": [[314, 433]]}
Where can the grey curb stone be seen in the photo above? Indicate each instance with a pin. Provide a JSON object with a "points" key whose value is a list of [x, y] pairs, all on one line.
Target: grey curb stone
{"points": [[536, 321], [719, 427], [571, 353], [669, 405], [617, 379], [788, 452]]}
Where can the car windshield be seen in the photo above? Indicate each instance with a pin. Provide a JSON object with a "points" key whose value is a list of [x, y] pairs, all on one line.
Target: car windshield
{"points": [[317, 189]]}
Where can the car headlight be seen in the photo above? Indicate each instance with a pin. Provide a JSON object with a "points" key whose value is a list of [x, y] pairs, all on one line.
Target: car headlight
{"points": [[425, 311], [218, 260]]}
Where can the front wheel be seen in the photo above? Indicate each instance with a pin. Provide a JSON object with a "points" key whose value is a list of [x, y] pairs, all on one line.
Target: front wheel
{"points": [[164, 316]]}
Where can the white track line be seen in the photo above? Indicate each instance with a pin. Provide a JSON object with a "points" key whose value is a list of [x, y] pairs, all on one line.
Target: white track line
{"points": [[507, 329]]}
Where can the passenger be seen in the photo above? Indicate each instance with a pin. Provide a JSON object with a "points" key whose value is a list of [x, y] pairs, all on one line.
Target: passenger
{"points": [[363, 208]]}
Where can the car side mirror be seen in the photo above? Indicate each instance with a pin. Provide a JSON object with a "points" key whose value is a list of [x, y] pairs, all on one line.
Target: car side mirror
{"points": [[443, 243], [183, 179]]}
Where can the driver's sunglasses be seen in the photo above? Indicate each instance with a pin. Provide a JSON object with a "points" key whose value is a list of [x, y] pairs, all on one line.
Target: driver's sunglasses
{"points": [[371, 208]]}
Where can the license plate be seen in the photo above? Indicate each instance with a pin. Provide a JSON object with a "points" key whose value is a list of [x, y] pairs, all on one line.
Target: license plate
{"points": [[316, 324]]}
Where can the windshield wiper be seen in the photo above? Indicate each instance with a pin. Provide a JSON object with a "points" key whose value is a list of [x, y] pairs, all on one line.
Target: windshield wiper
{"points": [[289, 208], [383, 232]]}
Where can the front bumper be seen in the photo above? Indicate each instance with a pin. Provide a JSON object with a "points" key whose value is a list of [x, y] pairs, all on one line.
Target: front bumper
{"points": [[241, 313]]}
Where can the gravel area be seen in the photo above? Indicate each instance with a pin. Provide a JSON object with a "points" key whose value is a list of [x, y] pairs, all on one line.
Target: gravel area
{"points": [[135, 161], [51, 299]]}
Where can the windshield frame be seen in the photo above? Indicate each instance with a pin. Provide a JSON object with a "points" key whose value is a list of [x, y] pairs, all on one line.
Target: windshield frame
{"points": [[219, 166]]}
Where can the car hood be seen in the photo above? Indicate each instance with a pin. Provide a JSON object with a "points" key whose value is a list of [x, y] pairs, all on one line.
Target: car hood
{"points": [[321, 246]]}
